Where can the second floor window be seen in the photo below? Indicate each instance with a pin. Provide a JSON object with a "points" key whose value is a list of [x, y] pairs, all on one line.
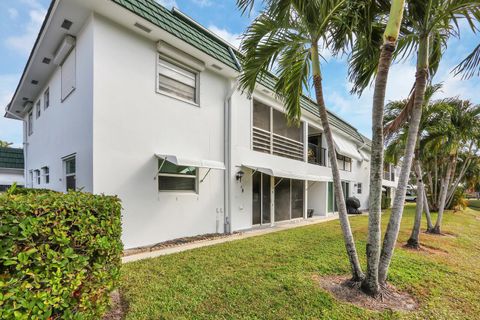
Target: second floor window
{"points": [[177, 81], [30, 123], [38, 109], [46, 99]]}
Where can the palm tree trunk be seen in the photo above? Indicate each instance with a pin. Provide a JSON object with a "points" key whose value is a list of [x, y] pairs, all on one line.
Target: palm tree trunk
{"points": [[371, 283], [443, 197], [414, 242], [455, 184], [414, 124], [426, 208], [357, 274]]}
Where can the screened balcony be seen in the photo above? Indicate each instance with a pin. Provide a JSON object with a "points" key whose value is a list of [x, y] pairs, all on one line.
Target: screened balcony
{"points": [[272, 134], [316, 154]]}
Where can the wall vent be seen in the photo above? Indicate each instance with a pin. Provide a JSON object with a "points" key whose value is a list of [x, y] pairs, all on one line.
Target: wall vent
{"points": [[46, 60], [142, 27], [216, 66], [35, 82], [66, 24]]}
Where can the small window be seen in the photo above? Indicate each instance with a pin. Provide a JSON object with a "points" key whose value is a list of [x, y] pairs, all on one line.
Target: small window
{"points": [[177, 81], [359, 188], [30, 174], [70, 173], [38, 109], [176, 178], [46, 175], [37, 177], [30, 123], [46, 99]]}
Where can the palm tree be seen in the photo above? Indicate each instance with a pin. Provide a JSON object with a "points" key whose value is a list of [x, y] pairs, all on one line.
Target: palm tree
{"points": [[470, 66], [428, 24], [5, 144], [287, 33], [397, 140], [456, 129]]}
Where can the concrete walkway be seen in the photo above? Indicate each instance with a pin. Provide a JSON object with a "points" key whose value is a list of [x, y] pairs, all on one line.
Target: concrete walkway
{"points": [[243, 235]]}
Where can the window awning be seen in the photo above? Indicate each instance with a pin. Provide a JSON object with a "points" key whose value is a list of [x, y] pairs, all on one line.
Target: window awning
{"points": [[189, 162], [287, 174], [346, 148]]}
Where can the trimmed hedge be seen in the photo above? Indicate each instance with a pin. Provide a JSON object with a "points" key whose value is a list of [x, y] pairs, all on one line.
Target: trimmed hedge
{"points": [[60, 254]]}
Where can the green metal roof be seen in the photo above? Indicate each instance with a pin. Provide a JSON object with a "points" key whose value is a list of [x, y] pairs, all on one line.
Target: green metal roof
{"points": [[187, 30], [180, 27], [11, 158]]}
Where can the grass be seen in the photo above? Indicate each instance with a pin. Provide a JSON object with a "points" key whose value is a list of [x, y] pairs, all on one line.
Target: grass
{"points": [[270, 276], [474, 204]]}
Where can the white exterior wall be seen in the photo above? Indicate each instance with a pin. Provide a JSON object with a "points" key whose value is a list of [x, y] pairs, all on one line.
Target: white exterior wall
{"points": [[10, 176], [361, 170], [132, 123], [65, 128]]}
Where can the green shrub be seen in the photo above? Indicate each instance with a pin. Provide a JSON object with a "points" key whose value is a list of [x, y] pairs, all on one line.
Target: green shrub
{"points": [[386, 201], [60, 254]]}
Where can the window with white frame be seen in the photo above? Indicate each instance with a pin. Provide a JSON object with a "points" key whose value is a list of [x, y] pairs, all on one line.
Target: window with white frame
{"points": [[70, 166], [177, 80], [30, 175], [177, 178], [37, 177], [46, 174], [46, 99], [38, 109], [359, 188], [30, 123]]}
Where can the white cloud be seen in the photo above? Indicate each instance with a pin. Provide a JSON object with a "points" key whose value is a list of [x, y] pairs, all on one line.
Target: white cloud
{"points": [[168, 3], [232, 38], [13, 13], [203, 3], [23, 42]]}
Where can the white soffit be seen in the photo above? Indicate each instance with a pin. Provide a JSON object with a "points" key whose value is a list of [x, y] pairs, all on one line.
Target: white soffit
{"points": [[287, 174], [189, 162], [346, 148]]}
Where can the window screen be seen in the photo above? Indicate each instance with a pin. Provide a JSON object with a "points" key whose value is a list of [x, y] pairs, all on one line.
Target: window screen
{"points": [[261, 116], [69, 75], [176, 178], [177, 81]]}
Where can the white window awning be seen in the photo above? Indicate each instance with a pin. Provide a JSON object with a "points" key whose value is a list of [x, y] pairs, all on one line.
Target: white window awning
{"points": [[190, 162], [346, 148], [287, 174]]}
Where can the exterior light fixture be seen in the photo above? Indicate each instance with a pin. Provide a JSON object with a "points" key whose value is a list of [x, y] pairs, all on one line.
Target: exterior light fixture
{"points": [[239, 175]]}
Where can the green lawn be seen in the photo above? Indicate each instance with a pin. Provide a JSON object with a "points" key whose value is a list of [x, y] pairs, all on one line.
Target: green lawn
{"points": [[270, 276]]}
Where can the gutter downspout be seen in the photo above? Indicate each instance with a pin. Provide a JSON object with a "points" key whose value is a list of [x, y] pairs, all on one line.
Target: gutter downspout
{"points": [[227, 147], [25, 144]]}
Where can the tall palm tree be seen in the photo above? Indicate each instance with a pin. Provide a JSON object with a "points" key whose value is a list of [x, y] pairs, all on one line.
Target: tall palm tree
{"points": [[5, 144], [287, 33], [397, 140], [428, 24]]}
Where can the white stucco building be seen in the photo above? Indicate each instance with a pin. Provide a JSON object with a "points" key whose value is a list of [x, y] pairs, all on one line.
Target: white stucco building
{"points": [[128, 98]]}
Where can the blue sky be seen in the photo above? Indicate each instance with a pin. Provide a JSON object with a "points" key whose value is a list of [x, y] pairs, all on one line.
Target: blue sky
{"points": [[20, 21]]}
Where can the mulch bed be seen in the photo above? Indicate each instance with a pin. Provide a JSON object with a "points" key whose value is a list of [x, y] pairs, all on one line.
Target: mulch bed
{"points": [[344, 290], [177, 242]]}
